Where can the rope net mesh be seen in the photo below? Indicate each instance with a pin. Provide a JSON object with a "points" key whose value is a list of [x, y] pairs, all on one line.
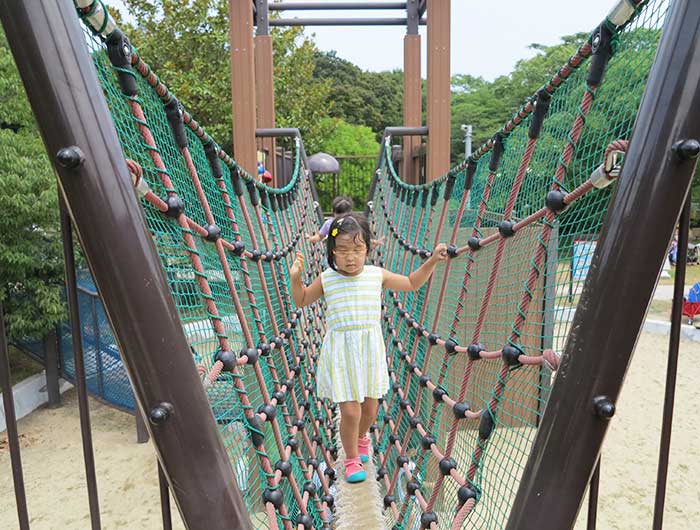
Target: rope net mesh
{"points": [[471, 354]]}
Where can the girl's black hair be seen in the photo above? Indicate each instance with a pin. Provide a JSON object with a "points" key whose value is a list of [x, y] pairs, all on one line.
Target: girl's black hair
{"points": [[341, 205], [353, 224]]}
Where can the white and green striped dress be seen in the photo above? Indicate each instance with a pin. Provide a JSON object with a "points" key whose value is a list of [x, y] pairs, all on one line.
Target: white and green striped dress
{"points": [[352, 365]]}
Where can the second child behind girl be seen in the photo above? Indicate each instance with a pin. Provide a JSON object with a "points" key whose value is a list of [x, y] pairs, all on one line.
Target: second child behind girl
{"points": [[352, 369]]}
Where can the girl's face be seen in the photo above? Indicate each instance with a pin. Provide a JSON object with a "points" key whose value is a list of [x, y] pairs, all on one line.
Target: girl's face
{"points": [[350, 253]]}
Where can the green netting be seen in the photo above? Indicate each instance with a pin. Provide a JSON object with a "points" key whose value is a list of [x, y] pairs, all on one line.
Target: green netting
{"points": [[521, 293], [512, 396]]}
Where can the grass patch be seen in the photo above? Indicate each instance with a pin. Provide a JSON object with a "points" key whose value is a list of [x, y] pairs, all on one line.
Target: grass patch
{"points": [[21, 366], [660, 310], [692, 275]]}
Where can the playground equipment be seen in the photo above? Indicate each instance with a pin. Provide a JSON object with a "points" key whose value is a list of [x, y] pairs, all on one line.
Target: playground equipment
{"points": [[472, 428]]}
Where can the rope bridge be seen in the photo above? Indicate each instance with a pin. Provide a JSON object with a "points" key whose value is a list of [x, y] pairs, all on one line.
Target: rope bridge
{"points": [[472, 355]]}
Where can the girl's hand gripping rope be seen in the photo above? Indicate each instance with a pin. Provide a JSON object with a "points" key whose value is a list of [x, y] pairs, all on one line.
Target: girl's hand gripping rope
{"points": [[297, 268], [439, 253]]}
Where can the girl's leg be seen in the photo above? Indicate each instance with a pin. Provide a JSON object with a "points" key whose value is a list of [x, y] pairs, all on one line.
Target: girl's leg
{"points": [[369, 414], [370, 406], [350, 414]]}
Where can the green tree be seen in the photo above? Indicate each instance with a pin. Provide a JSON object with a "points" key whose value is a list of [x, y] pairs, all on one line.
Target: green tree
{"points": [[488, 105], [31, 269], [373, 99], [187, 45], [347, 139]]}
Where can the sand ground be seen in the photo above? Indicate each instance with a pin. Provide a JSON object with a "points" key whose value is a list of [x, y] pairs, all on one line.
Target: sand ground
{"points": [[128, 484]]}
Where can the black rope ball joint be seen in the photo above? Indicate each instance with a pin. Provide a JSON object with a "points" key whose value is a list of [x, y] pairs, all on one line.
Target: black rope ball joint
{"points": [[423, 380], [450, 347], [486, 424], [119, 53], [427, 519], [174, 114], [505, 228], [412, 487], [227, 358], [330, 473], [460, 410], [414, 422], [310, 488], [474, 351], [465, 493], [452, 251], [175, 204], [381, 473], [284, 467], [447, 465], [329, 500], [292, 443], [255, 255], [438, 394], [427, 441], [555, 201], [474, 243], [401, 460], [252, 354], [264, 348], [213, 233], [269, 410], [511, 355], [432, 338], [388, 501], [279, 395], [305, 520], [273, 496], [393, 439], [255, 430], [238, 248]]}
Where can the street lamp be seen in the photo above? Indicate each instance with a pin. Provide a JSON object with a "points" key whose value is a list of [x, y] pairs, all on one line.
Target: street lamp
{"points": [[467, 130]]}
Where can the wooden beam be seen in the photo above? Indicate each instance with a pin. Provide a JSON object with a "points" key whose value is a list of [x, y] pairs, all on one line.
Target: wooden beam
{"points": [[243, 84], [265, 93], [412, 105], [438, 88]]}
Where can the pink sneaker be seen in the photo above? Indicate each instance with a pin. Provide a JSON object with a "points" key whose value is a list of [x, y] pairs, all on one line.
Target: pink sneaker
{"points": [[353, 470], [363, 445]]}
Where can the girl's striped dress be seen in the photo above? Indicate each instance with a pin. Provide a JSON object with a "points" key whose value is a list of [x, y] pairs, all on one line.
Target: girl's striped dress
{"points": [[352, 364]]}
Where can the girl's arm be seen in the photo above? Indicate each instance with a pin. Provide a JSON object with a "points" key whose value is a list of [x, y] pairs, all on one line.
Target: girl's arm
{"points": [[415, 280], [314, 238], [301, 294]]}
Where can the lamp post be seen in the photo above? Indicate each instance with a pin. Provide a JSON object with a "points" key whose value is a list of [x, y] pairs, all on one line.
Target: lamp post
{"points": [[467, 129]]}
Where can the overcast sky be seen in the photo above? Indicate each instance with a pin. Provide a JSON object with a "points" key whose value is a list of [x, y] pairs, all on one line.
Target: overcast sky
{"points": [[488, 36]]}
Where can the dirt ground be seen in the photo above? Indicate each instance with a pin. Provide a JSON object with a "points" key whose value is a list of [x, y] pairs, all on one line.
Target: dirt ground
{"points": [[128, 483]]}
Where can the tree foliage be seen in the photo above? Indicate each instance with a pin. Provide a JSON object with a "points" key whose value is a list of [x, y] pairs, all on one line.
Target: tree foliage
{"points": [[486, 105], [187, 45], [31, 267], [372, 99]]}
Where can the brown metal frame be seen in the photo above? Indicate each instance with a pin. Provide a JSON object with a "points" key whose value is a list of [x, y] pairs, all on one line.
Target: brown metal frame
{"points": [[265, 85], [243, 84], [261, 85], [80, 137], [439, 95], [654, 184]]}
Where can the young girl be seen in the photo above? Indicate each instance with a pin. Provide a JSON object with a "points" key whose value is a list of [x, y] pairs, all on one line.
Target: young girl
{"points": [[341, 205], [352, 369]]}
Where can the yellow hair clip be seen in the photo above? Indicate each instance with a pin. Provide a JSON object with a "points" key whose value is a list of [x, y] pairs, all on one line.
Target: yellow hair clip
{"points": [[334, 232]]}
